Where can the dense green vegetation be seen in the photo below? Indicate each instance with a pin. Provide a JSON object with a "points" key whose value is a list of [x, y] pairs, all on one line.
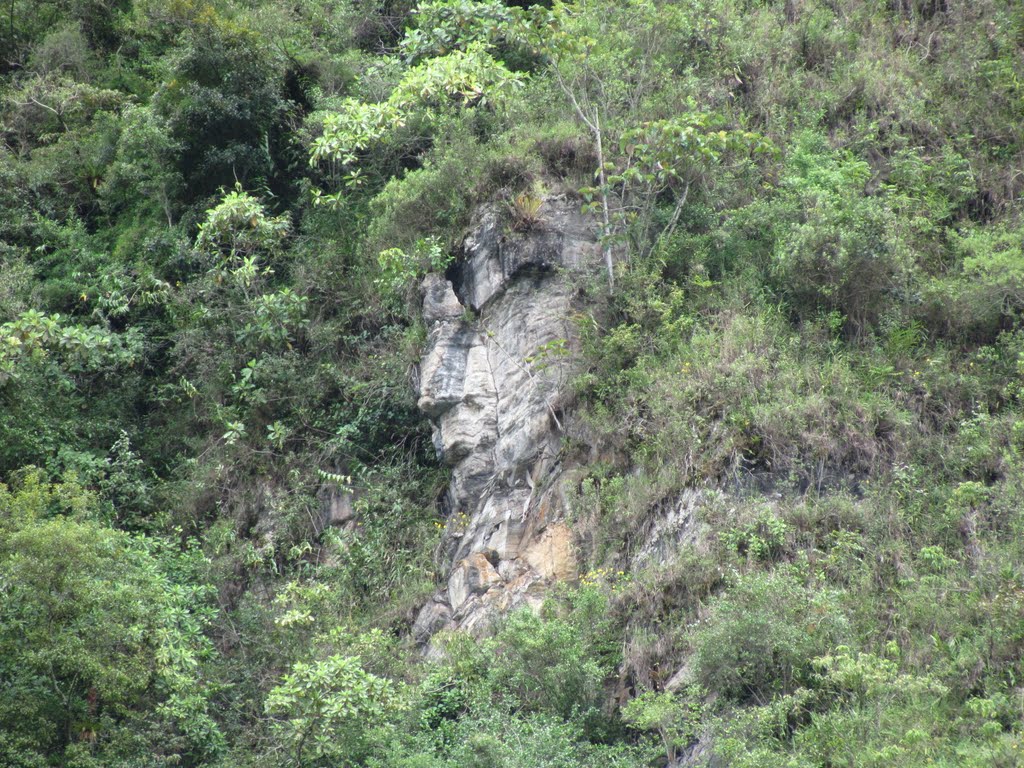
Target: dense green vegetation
{"points": [[212, 215]]}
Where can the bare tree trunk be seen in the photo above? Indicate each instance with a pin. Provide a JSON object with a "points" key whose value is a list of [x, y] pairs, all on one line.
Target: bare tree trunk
{"points": [[593, 124], [605, 214]]}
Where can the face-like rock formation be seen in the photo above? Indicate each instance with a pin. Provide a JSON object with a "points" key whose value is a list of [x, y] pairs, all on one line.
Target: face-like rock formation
{"points": [[493, 380]]}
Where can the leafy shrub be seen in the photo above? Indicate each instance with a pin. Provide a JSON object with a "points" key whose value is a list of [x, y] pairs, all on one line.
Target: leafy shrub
{"points": [[399, 269], [833, 248], [97, 637], [35, 338], [866, 711], [331, 710], [675, 719], [428, 94], [763, 539], [444, 25], [222, 103], [559, 664], [759, 638], [425, 203]]}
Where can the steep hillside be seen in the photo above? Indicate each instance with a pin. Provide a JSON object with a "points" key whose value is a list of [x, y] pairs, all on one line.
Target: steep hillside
{"points": [[479, 383]]}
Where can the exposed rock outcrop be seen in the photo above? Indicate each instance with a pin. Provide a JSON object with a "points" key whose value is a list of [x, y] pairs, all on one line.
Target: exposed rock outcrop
{"points": [[493, 380]]}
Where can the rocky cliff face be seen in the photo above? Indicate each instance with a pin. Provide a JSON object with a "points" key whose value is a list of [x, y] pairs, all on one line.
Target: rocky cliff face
{"points": [[493, 380]]}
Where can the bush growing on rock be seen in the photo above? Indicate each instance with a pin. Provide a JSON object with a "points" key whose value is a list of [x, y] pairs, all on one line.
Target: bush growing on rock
{"points": [[758, 639]]}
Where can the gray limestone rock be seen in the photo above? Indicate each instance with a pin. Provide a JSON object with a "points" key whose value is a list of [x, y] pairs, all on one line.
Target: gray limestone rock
{"points": [[493, 379], [473, 576], [444, 368], [674, 526], [434, 617], [439, 300]]}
